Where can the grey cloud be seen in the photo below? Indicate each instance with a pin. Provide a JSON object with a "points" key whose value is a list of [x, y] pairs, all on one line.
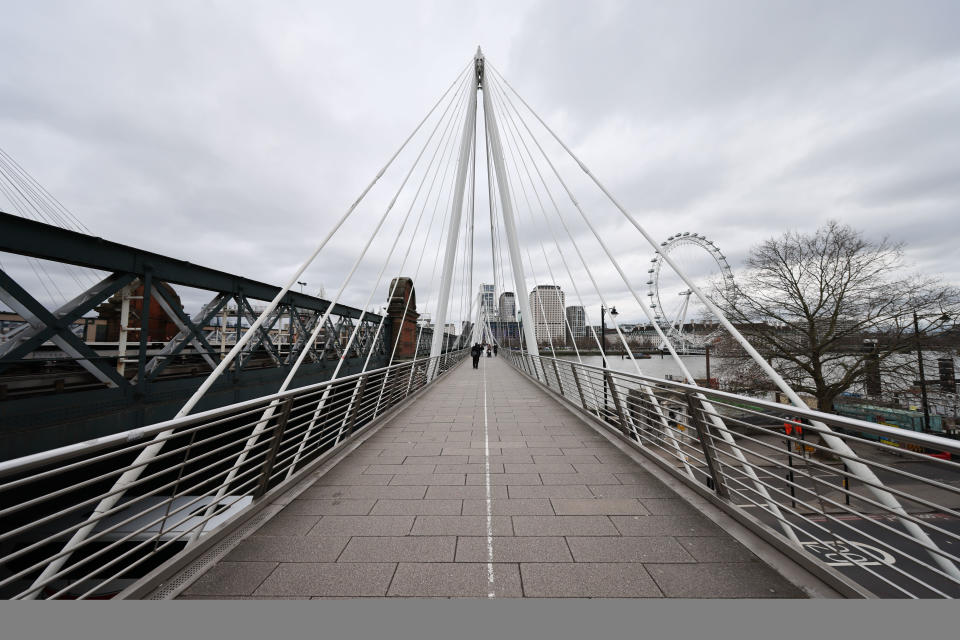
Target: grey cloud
{"points": [[234, 135]]}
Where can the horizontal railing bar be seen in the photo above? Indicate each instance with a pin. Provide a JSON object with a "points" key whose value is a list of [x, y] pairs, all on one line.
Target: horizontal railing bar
{"points": [[851, 511], [867, 499], [95, 537], [163, 545], [139, 481], [167, 454], [833, 537], [114, 544], [648, 403], [869, 536], [804, 519], [844, 473], [923, 439], [111, 454], [340, 403], [918, 457], [116, 509], [24, 463]]}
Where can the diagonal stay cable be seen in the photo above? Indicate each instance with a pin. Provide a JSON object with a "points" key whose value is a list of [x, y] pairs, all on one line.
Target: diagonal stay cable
{"points": [[715, 419], [860, 469], [303, 354], [151, 450]]}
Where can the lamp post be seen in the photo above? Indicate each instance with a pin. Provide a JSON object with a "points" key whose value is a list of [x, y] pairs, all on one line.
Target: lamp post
{"points": [[603, 332], [603, 346], [302, 285], [873, 382], [520, 330], [706, 353], [923, 379]]}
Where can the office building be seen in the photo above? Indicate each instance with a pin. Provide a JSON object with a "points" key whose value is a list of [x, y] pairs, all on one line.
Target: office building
{"points": [[488, 307], [508, 306], [576, 323], [546, 305]]}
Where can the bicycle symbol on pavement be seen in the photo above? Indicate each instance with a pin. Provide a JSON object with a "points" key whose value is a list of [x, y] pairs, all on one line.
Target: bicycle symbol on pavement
{"points": [[849, 554]]}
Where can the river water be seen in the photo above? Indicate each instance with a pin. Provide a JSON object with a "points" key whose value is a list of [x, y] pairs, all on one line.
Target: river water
{"points": [[656, 366]]}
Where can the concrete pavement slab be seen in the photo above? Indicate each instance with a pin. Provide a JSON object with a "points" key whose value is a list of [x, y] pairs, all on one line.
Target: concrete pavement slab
{"points": [[405, 514]]}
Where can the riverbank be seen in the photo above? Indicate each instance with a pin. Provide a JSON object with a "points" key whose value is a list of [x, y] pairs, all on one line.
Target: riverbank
{"points": [[594, 352]]}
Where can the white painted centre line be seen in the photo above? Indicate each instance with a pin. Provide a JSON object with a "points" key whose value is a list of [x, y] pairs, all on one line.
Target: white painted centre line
{"points": [[486, 469]]}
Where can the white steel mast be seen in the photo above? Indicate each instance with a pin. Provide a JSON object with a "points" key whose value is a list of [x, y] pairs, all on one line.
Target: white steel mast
{"points": [[506, 209], [456, 213]]}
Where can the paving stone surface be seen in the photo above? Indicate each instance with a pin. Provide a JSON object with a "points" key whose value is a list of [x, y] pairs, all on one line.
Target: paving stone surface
{"points": [[516, 507], [288, 549], [604, 506], [456, 580], [461, 525], [228, 579], [330, 507], [721, 580], [514, 549], [472, 492], [328, 579], [417, 507], [400, 549], [587, 580], [628, 549], [406, 514], [363, 526]]}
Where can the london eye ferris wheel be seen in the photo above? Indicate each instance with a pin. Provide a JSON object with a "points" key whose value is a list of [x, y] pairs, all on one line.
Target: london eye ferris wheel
{"points": [[675, 308]]}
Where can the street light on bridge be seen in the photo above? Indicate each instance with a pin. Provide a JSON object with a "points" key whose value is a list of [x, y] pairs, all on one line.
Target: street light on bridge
{"points": [[603, 332], [923, 380], [603, 346]]}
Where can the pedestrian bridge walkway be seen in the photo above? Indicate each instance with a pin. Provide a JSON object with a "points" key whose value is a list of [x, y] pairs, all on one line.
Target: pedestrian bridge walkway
{"points": [[487, 486], [533, 476]]}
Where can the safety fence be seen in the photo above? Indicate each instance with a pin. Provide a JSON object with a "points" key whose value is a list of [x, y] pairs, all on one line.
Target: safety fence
{"points": [[878, 504], [88, 520]]}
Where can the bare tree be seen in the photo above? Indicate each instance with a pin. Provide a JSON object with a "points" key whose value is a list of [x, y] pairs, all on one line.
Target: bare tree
{"points": [[832, 310]]}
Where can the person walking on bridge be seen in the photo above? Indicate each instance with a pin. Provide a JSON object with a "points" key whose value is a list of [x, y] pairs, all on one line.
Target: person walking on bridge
{"points": [[494, 348], [475, 353]]}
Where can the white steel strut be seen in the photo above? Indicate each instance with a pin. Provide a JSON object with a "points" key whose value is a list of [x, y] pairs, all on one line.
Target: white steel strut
{"points": [[453, 232], [509, 223], [150, 452], [859, 469]]}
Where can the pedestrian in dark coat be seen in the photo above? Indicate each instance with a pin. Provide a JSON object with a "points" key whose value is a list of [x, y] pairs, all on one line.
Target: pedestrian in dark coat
{"points": [[475, 354]]}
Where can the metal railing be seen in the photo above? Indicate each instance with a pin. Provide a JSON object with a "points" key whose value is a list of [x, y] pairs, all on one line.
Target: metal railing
{"points": [[882, 508], [57, 540]]}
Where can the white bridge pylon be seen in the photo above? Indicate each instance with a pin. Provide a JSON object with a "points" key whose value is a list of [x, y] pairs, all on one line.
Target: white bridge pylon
{"points": [[467, 147], [519, 175]]}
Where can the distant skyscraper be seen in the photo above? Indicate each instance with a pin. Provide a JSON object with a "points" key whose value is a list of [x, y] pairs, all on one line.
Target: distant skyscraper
{"points": [[507, 332], [546, 305], [487, 303], [577, 321], [508, 306]]}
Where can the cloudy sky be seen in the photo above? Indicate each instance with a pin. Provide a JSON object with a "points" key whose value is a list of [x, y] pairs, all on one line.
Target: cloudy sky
{"points": [[234, 134]]}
